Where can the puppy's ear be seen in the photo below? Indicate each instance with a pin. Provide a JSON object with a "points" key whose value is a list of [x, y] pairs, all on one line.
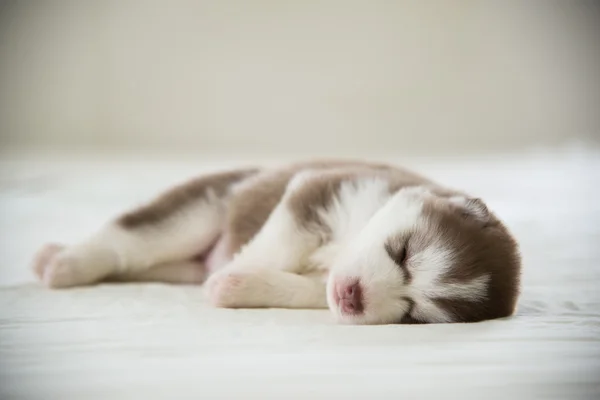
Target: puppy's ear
{"points": [[472, 208]]}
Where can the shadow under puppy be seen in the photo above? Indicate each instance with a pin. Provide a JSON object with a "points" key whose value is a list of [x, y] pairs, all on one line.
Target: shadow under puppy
{"points": [[375, 243]]}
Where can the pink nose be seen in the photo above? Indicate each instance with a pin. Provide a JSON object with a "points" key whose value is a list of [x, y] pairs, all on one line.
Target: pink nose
{"points": [[351, 298]]}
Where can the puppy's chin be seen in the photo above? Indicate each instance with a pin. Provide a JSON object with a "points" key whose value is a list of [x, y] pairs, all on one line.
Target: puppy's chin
{"points": [[361, 319], [346, 319]]}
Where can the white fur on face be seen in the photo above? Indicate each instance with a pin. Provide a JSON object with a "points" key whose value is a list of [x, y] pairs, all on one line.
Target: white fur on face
{"points": [[365, 259], [352, 208], [387, 296]]}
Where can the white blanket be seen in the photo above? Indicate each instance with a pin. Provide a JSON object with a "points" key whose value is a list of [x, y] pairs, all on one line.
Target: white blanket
{"points": [[158, 341]]}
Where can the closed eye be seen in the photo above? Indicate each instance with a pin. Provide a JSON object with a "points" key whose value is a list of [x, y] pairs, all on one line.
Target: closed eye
{"points": [[400, 258]]}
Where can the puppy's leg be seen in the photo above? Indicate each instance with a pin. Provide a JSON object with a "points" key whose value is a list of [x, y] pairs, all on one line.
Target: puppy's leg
{"points": [[264, 272], [264, 287], [176, 226], [287, 238]]}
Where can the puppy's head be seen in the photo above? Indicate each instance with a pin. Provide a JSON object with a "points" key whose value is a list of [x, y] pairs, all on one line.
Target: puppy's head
{"points": [[427, 257]]}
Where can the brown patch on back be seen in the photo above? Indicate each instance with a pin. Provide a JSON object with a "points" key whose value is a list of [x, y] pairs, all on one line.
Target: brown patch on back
{"points": [[308, 201], [182, 196], [320, 190], [251, 206]]}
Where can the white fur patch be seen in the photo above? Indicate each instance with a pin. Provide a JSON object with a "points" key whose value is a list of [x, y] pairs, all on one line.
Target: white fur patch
{"points": [[348, 214], [365, 258], [400, 213], [474, 290], [179, 237], [281, 243], [426, 309], [428, 266]]}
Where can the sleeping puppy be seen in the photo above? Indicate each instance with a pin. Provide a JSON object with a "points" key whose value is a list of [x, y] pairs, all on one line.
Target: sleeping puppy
{"points": [[374, 243]]}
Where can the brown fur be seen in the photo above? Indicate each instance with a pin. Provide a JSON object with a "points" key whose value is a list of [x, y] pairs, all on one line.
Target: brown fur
{"points": [[181, 196], [251, 206], [485, 247]]}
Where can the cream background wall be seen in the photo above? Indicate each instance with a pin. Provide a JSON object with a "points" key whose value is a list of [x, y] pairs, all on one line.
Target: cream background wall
{"points": [[270, 77]]}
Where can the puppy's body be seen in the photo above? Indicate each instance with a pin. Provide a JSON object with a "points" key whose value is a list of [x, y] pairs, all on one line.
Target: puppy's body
{"points": [[374, 243]]}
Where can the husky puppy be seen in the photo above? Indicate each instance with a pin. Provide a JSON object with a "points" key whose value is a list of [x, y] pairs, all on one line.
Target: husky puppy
{"points": [[374, 243]]}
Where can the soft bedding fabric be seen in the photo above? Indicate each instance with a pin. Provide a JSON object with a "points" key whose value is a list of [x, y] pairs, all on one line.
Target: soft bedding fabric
{"points": [[150, 341]]}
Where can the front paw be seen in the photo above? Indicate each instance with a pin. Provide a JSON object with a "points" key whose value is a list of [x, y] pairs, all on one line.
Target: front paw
{"points": [[230, 289]]}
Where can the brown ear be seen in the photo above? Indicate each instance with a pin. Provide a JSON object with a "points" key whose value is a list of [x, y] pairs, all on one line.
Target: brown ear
{"points": [[471, 207]]}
